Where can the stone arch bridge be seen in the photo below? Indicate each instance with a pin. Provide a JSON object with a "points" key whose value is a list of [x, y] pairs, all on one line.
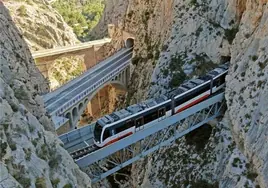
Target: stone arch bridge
{"points": [[66, 104]]}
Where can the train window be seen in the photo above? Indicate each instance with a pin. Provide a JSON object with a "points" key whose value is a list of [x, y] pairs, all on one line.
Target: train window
{"points": [[106, 134], [219, 81], [168, 107], [120, 129], [139, 122], [161, 112], [192, 94], [129, 124], [125, 126], [150, 117], [97, 132]]}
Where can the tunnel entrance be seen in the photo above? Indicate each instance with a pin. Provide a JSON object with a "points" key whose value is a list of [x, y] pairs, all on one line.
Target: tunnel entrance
{"points": [[129, 43]]}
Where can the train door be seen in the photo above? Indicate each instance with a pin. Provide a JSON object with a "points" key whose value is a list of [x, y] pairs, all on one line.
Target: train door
{"points": [[161, 113], [139, 123]]}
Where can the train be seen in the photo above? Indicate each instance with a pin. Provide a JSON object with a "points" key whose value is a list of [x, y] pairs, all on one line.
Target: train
{"points": [[120, 124]]}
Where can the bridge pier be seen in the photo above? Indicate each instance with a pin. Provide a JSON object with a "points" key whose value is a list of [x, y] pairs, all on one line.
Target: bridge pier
{"points": [[90, 58]]}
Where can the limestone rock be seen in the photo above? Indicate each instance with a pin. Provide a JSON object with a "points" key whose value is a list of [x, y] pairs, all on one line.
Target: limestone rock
{"points": [[41, 26], [31, 153], [176, 40]]}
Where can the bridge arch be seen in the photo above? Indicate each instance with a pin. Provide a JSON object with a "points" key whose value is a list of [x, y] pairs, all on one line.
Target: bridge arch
{"points": [[68, 115], [129, 43], [75, 113], [80, 106], [115, 83]]}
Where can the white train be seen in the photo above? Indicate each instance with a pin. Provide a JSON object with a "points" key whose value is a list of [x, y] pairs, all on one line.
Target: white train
{"points": [[125, 122]]}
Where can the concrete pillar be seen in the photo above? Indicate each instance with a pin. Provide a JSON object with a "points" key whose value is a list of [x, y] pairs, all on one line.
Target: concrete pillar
{"points": [[89, 108], [99, 100], [111, 30], [124, 77], [90, 58]]}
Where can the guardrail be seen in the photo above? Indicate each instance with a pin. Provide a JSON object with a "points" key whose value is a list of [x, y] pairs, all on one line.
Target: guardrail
{"points": [[76, 134], [86, 92], [48, 96]]}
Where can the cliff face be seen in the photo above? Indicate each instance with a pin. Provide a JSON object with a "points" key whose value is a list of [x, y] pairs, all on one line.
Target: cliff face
{"points": [[44, 28], [149, 22], [196, 36], [41, 26], [31, 154], [247, 88]]}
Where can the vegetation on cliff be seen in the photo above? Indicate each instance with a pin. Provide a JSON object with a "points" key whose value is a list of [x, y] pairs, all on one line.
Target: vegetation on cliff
{"points": [[82, 16]]}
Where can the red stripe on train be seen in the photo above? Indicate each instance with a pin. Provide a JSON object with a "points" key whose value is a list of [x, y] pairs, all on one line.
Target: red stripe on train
{"points": [[193, 103], [114, 140]]}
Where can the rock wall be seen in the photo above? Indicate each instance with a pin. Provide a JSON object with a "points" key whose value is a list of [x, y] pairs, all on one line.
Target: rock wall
{"points": [[176, 40], [41, 26], [149, 22], [31, 153], [247, 88]]}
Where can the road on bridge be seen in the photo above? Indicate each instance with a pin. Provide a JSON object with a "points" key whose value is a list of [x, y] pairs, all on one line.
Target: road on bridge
{"points": [[88, 79]]}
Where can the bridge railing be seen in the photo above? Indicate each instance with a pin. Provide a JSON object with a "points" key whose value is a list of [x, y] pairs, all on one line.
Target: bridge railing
{"points": [[106, 161], [47, 96], [77, 134], [87, 91]]}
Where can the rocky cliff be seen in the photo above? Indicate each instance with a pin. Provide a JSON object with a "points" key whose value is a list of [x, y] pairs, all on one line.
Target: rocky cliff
{"points": [[41, 26], [31, 153], [176, 40], [44, 28]]}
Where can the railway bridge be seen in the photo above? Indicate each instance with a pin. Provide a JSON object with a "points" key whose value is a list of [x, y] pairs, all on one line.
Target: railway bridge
{"points": [[99, 163], [66, 104]]}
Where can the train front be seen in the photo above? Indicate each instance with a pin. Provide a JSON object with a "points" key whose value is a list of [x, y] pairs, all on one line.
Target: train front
{"points": [[97, 134]]}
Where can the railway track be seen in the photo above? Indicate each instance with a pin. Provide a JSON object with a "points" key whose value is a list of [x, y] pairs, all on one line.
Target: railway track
{"points": [[84, 151]]}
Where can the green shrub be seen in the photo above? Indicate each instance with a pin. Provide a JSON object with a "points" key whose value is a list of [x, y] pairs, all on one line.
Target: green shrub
{"points": [[25, 182], [204, 184], [12, 146], [34, 142], [53, 162], [40, 182], [262, 65], [3, 149], [193, 3], [14, 107], [177, 79], [252, 175], [230, 34], [68, 186], [254, 58], [236, 162], [5, 125], [31, 128], [165, 72], [28, 154], [82, 16], [22, 10], [55, 182]]}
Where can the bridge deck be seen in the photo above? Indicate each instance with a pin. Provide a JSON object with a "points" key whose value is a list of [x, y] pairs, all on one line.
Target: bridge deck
{"points": [[150, 139], [66, 49], [87, 81]]}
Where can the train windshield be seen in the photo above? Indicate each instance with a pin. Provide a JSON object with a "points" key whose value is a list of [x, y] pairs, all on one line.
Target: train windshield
{"points": [[97, 132]]}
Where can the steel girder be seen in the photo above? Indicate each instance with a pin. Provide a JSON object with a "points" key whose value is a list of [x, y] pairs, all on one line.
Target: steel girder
{"points": [[108, 160]]}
